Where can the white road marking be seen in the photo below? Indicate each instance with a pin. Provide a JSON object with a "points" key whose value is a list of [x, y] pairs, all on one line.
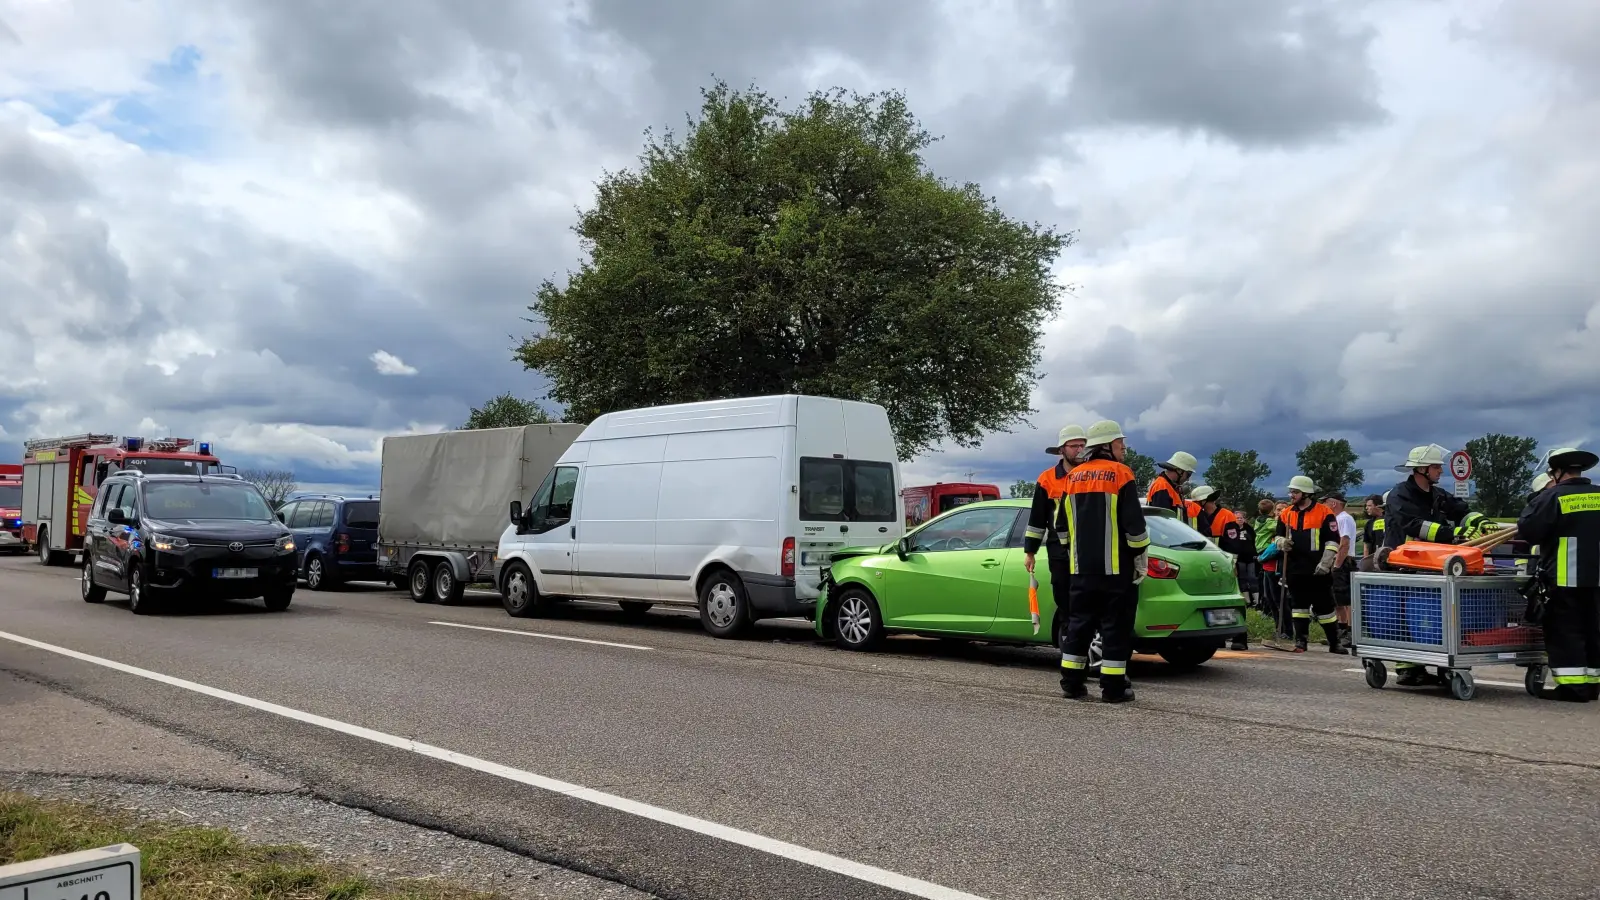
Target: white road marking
{"points": [[1474, 681], [916, 887], [540, 634]]}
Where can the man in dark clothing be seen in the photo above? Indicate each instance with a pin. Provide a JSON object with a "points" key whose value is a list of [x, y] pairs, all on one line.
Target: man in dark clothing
{"points": [[1308, 540], [1564, 520], [1222, 525], [1417, 509], [1107, 546], [1372, 534], [1044, 523]]}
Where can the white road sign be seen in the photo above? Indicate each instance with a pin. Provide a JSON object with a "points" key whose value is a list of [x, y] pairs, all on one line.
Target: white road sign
{"points": [[1463, 489], [1461, 465], [109, 873]]}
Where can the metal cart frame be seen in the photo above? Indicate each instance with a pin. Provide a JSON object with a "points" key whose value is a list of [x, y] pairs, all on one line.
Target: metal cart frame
{"points": [[1389, 622]]}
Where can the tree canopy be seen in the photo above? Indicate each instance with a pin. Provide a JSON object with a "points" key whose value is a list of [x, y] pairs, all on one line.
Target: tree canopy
{"points": [[805, 250], [1331, 463], [1022, 487], [1235, 474], [1503, 467], [506, 411], [1144, 468]]}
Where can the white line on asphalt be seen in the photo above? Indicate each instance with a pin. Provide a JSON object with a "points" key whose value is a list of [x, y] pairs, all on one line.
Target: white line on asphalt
{"points": [[916, 887], [540, 634], [1474, 681]]}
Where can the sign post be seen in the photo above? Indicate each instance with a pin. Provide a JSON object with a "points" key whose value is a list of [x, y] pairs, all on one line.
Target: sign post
{"points": [[1461, 469], [109, 873]]}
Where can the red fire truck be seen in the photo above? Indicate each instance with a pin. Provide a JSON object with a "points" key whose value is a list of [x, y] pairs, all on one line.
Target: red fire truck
{"points": [[11, 508], [929, 500], [61, 476]]}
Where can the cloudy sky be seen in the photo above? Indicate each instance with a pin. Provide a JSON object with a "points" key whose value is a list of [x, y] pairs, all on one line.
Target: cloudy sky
{"points": [[295, 227]]}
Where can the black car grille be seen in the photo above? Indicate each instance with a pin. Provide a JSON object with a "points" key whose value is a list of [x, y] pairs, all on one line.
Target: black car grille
{"points": [[269, 542]]}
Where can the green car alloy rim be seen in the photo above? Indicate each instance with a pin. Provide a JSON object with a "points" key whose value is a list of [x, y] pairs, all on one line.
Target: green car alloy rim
{"points": [[855, 618]]}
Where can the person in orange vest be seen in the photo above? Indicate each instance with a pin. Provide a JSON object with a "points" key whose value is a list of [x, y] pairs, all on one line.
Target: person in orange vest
{"points": [[1222, 525], [1166, 491], [1308, 539], [1044, 523]]}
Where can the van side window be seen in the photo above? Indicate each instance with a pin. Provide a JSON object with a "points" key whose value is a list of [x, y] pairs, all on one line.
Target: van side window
{"points": [[106, 500], [552, 503], [846, 490]]}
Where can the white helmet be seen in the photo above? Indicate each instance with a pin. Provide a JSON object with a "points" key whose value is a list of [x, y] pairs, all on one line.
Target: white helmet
{"points": [[1423, 457], [1568, 457], [1202, 492], [1302, 484], [1069, 433], [1183, 462], [1104, 432], [1541, 481]]}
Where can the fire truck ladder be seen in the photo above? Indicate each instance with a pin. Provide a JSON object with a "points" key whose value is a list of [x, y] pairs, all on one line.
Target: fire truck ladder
{"points": [[75, 442], [169, 444]]}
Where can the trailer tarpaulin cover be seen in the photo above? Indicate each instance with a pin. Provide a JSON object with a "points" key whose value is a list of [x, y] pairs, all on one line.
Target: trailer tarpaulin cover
{"points": [[452, 489]]}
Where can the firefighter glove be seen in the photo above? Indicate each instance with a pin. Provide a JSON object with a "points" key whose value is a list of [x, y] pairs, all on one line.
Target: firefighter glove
{"points": [[1283, 543], [1326, 565], [1141, 567]]}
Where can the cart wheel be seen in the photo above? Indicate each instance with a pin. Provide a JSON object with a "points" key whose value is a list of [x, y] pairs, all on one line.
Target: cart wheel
{"points": [[1377, 673], [1383, 557], [1534, 680], [1462, 686], [1455, 567]]}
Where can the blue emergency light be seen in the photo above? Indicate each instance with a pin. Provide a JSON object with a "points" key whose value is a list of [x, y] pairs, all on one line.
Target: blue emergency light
{"points": [[205, 448], [133, 444]]}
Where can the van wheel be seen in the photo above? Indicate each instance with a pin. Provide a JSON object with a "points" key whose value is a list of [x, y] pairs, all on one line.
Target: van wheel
{"points": [[519, 593], [724, 605], [446, 588], [634, 609], [857, 623], [92, 593], [278, 599], [139, 600], [419, 581]]}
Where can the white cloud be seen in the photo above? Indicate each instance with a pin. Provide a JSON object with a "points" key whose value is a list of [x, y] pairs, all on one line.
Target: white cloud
{"points": [[388, 364]]}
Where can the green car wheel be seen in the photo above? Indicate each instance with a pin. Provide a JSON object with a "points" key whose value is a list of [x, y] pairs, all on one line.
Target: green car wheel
{"points": [[857, 623]]}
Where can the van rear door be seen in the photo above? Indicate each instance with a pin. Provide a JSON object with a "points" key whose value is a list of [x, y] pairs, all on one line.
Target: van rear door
{"points": [[849, 484]]}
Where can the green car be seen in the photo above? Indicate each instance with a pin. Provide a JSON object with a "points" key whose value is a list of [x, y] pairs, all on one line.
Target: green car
{"points": [[963, 575]]}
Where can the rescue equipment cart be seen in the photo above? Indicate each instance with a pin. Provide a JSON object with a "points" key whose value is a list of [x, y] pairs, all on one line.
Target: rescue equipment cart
{"points": [[1449, 620]]}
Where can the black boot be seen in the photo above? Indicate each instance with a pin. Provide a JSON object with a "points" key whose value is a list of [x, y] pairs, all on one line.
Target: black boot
{"points": [[1117, 689], [1240, 643], [1335, 633], [1412, 676], [1072, 684]]}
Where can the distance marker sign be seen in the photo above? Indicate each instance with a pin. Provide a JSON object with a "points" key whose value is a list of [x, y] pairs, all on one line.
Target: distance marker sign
{"points": [[1461, 465], [109, 873]]}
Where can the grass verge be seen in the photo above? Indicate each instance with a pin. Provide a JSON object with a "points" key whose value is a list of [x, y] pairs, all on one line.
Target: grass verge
{"points": [[192, 863], [1261, 628]]}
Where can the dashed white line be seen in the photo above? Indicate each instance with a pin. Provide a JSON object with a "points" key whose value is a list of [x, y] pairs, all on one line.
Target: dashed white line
{"points": [[827, 862], [1474, 681], [540, 634]]}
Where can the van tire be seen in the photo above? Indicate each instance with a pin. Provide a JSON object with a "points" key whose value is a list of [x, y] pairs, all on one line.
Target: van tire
{"points": [[419, 581], [724, 604], [634, 609], [92, 593], [447, 588], [857, 621], [519, 592]]}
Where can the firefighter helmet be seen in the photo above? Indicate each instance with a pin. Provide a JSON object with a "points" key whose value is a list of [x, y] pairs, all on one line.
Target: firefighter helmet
{"points": [[1104, 432], [1183, 462], [1302, 484], [1069, 433]]}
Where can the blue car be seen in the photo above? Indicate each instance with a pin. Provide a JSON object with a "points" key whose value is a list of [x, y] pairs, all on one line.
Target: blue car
{"points": [[336, 538]]}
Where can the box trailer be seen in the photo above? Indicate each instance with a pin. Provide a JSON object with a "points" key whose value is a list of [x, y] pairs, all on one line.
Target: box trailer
{"points": [[445, 498]]}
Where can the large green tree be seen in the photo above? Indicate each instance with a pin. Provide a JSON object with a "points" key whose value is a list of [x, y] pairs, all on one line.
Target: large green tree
{"points": [[1023, 488], [1331, 463], [1235, 473], [1144, 468], [1502, 466], [506, 411], [807, 250]]}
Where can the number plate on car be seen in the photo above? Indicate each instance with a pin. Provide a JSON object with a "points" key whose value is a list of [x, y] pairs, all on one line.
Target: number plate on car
{"points": [[1217, 618], [233, 573]]}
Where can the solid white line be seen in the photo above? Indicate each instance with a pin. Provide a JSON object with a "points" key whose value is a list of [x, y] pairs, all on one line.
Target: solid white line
{"points": [[540, 634], [916, 887], [1474, 681]]}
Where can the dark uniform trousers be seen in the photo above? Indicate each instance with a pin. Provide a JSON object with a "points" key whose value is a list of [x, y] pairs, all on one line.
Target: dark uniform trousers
{"points": [[1311, 595], [1572, 635], [1060, 563], [1108, 604]]}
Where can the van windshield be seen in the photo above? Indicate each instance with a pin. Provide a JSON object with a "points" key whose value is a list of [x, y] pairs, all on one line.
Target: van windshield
{"points": [[846, 490]]}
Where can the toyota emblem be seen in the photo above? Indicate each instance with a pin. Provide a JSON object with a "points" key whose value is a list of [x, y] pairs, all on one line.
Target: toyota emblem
{"points": [[238, 547]]}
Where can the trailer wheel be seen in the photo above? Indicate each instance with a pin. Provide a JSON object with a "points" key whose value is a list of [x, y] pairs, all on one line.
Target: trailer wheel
{"points": [[446, 588], [1462, 686], [419, 581], [1377, 672], [1533, 681]]}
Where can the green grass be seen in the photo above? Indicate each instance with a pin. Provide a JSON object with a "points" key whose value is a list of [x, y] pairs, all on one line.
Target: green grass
{"points": [[191, 863], [1261, 628]]}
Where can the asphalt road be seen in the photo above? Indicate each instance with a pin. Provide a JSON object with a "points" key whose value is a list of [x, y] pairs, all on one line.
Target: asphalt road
{"points": [[1263, 774]]}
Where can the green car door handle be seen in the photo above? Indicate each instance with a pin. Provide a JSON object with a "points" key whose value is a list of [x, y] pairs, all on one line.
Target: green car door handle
{"points": [[990, 563]]}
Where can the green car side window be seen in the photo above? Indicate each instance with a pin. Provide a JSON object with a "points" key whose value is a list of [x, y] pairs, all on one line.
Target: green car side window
{"points": [[974, 529]]}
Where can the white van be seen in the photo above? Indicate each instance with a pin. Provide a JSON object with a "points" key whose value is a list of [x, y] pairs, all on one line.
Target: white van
{"points": [[731, 506]]}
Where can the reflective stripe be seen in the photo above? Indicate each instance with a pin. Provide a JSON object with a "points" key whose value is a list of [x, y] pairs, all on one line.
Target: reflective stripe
{"points": [[1120, 667], [1430, 531], [1078, 663], [1113, 558], [1572, 679], [1072, 528], [1302, 614], [1034, 533], [1328, 619], [1570, 674], [1139, 541], [1332, 546], [1566, 563], [1585, 502]]}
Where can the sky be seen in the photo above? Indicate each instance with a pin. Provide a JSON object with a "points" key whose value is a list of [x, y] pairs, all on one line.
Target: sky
{"points": [[293, 228]]}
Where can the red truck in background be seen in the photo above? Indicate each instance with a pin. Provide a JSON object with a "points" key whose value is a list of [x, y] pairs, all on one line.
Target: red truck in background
{"points": [[11, 508], [926, 501], [61, 476]]}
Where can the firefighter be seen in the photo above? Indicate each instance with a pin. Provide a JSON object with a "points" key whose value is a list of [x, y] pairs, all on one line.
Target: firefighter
{"points": [[1308, 540], [1223, 526], [1166, 491], [1372, 534], [1564, 520], [1107, 546], [1418, 509], [1043, 521]]}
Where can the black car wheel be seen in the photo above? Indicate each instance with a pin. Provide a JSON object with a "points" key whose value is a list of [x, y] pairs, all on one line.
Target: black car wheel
{"points": [[139, 600], [278, 600], [418, 579], [634, 609], [316, 577], [1188, 656], [92, 593]]}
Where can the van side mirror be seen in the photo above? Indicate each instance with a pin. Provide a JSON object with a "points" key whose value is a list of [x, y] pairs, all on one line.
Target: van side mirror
{"points": [[902, 547], [117, 517], [516, 513]]}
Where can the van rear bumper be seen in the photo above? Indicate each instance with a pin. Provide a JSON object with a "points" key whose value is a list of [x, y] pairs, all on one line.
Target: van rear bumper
{"points": [[773, 597]]}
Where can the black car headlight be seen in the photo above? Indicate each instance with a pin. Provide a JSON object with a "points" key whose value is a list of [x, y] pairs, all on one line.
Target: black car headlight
{"points": [[167, 543], [285, 544]]}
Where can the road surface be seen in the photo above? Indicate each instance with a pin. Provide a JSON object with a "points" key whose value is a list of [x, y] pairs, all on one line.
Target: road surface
{"points": [[653, 755]]}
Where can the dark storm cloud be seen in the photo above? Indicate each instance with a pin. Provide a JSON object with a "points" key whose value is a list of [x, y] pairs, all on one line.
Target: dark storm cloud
{"points": [[1251, 71], [31, 173]]}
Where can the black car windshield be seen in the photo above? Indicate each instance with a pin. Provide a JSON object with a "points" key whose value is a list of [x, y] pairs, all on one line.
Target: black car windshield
{"points": [[195, 500], [160, 466], [10, 495], [1174, 535]]}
